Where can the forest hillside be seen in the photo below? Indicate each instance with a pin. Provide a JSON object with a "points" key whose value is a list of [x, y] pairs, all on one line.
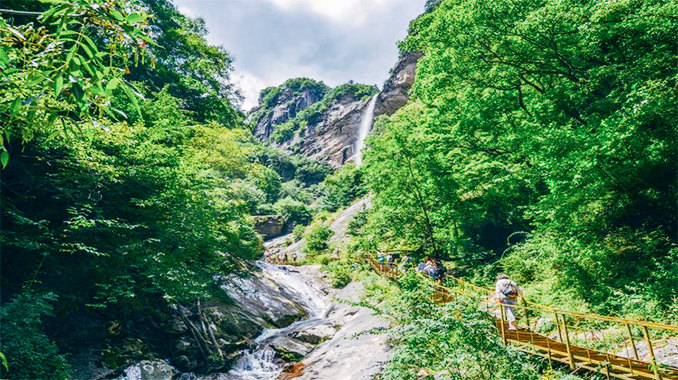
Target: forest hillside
{"points": [[531, 138]]}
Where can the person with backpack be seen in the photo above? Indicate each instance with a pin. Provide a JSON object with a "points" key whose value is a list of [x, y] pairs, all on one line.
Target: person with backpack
{"points": [[381, 260], [507, 292]]}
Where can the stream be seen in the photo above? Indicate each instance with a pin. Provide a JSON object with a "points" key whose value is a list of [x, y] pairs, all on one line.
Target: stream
{"points": [[260, 364]]}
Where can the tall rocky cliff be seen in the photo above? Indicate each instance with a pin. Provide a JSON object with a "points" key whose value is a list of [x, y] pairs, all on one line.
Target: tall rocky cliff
{"points": [[307, 117]]}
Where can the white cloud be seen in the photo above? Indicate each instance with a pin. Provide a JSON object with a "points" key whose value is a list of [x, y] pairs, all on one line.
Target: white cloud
{"points": [[338, 11], [330, 40], [250, 86], [186, 10]]}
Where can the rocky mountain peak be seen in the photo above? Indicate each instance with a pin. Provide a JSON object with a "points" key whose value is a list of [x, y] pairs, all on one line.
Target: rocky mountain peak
{"points": [[307, 117]]}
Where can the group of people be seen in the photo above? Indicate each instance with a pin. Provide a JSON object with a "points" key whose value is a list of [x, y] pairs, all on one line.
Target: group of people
{"points": [[434, 268], [507, 291], [281, 258]]}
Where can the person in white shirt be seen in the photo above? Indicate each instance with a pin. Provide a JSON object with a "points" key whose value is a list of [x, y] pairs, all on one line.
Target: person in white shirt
{"points": [[507, 292]]}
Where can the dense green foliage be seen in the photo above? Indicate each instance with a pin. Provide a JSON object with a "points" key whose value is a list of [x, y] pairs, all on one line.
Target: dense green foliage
{"points": [[317, 235], [341, 188], [56, 73], [455, 340], [270, 96], [542, 132], [31, 354], [128, 184]]}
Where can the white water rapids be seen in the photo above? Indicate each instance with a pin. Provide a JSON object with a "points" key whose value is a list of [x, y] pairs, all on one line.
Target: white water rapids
{"points": [[260, 364], [364, 130]]}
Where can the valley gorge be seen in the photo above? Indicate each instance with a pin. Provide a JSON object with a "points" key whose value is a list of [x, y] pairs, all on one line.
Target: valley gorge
{"points": [[197, 190]]}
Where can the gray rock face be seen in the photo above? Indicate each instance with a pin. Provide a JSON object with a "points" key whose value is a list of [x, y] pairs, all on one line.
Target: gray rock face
{"points": [[260, 299], [395, 92], [353, 352], [333, 138], [288, 105], [269, 226], [289, 348], [258, 303]]}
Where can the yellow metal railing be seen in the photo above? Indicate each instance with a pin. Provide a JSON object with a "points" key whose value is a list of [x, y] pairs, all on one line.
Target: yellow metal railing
{"points": [[605, 344]]}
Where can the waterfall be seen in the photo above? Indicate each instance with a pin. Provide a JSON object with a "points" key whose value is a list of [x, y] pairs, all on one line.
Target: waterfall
{"points": [[365, 127], [260, 364]]}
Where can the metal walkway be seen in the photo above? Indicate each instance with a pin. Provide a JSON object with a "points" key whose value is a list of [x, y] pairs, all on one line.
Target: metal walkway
{"points": [[583, 341]]}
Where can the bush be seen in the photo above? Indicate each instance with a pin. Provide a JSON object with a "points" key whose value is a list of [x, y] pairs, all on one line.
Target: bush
{"points": [[317, 236], [341, 188], [295, 190], [455, 340], [339, 272], [29, 352], [292, 211], [298, 232]]}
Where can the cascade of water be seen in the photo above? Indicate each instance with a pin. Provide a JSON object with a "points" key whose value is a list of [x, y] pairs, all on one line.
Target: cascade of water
{"points": [[260, 364], [365, 127]]}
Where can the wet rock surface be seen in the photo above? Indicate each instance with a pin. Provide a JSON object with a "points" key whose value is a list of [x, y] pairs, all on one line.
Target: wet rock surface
{"points": [[355, 351]]}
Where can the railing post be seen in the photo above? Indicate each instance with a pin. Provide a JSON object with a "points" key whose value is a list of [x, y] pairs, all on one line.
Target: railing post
{"points": [[560, 334], [633, 343], [525, 310], [653, 360], [567, 343], [503, 328]]}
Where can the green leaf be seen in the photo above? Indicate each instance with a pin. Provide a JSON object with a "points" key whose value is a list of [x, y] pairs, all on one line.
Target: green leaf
{"points": [[117, 15], [58, 85], [112, 84], [16, 106], [4, 361], [4, 58], [4, 159], [90, 42], [133, 97], [16, 33], [87, 50], [136, 17]]}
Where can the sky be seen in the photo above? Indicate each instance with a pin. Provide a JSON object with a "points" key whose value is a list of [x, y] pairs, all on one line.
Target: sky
{"points": [[330, 40]]}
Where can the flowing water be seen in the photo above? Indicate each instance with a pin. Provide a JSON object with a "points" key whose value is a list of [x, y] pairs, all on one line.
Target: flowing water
{"points": [[260, 364], [364, 130]]}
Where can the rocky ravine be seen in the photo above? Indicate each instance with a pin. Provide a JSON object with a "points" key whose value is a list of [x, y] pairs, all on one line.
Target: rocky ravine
{"points": [[337, 344]]}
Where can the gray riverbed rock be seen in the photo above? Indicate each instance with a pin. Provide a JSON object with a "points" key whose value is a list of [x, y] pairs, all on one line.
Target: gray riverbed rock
{"points": [[149, 370]]}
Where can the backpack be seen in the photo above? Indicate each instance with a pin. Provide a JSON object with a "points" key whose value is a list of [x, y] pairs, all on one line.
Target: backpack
{"points": [[512, 290]]}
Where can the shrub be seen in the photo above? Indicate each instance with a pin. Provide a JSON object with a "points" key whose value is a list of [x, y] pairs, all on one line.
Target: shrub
{"points": [[341, 188], [298, 231], [29, 352], [339, 272], [292, 211], [317, 236]]}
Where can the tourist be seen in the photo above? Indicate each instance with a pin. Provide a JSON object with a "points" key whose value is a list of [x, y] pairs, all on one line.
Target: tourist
{"points": [[381, 259], [507, 292]]}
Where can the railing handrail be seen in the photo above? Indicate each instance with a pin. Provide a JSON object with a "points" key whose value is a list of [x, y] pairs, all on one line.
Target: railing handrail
{"points": [[550, 309]]}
